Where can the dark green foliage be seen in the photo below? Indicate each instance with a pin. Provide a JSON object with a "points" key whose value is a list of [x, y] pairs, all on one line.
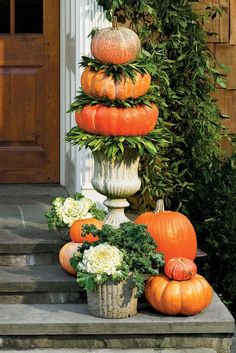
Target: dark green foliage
{"points": [[81, 100], [115, 146], [142, 65], [136, 244], [213, 211]]}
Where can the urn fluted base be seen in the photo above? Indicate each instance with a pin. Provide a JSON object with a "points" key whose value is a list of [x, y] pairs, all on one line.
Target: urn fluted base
{"points": [[116, 179]]}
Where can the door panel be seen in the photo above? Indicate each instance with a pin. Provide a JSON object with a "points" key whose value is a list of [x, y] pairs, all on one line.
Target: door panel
{"points": [[29, 95]]}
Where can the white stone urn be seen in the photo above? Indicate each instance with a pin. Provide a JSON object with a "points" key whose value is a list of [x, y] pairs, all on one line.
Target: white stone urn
{"points": [[116, 179]]}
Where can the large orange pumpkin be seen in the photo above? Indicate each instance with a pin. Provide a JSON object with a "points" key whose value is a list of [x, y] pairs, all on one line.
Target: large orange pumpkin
{"points": [[65, 255], [172, 231], [178, 297], [180, 269], [98, 84], [115, 45], [111, 121], [76, 230]]}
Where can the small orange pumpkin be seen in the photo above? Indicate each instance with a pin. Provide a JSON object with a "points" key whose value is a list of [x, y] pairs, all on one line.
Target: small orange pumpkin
{"points": [[98, 84], [66, 254], [178, 297], [115, 45], [76, 230], [172, 231], [111, 121], [180, 269]]}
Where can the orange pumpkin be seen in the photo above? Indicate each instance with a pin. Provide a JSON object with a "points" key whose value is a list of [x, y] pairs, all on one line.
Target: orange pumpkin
{"points": [[110, 121], [172, 231], [65, 255], [98, 84], [178, 297], [76, 230], [115, 45], [180, 269]]}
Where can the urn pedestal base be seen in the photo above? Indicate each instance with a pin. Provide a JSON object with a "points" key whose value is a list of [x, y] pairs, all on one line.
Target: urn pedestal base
{"points": [[116, 179]]}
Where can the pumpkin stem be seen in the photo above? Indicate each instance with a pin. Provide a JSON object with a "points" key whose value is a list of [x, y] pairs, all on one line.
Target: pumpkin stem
{"points": [[114, 22], [160, 206]]}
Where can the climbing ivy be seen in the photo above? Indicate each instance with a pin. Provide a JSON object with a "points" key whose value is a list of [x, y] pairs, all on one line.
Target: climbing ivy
{"points": [[186, 73]]}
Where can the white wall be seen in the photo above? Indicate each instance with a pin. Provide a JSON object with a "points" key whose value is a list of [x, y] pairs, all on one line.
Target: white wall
{"points": [[78, 17]]}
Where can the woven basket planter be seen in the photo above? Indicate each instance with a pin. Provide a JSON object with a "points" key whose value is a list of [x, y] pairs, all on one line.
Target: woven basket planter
{"points": [[113, 300]]}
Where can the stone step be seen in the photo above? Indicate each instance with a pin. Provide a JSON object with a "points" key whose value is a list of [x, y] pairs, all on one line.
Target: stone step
{"points": [[29, 241], [29, 248], [71, 326], [105, 350], [38, 284]]}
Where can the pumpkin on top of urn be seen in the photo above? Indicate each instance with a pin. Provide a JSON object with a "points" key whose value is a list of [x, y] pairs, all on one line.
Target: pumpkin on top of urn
{"points": [[115, 45]]}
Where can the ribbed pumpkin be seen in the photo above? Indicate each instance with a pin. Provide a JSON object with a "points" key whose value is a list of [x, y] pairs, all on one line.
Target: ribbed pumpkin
{"points": [[65, 255], [76, 230], [115, 45], [180, 269], [111, 121], [98, 84], [178, 297], [172, 231]]}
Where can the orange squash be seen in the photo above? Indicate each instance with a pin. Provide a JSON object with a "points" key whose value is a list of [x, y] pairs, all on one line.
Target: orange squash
{"points": [[180, 269], [65, 255], [111, 121], [172, 231], [178, 297], [115, 45], [76, 230], [98, 84]]}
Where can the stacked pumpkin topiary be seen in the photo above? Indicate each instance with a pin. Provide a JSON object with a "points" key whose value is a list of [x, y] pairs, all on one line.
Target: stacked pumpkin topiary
{"points": [[112, 91]]}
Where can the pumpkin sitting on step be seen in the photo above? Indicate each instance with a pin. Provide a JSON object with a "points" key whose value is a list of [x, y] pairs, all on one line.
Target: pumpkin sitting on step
{"points": [[178, 297], [180, 269], [65, 254], [115, 45], [98, 84], [172, 231], [111, 121]]}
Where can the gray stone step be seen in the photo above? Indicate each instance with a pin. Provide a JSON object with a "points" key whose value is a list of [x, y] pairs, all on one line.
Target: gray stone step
{"points": [[71, 326], [165, 350], [29, 241], [38, 284], [35, 278]]}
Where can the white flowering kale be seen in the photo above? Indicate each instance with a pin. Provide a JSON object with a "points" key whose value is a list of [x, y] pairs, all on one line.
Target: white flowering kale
{"points": [[99, 264], [65, 211]]}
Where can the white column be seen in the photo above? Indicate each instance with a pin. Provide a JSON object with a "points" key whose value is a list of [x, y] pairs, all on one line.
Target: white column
{"points": [[78, 17]]}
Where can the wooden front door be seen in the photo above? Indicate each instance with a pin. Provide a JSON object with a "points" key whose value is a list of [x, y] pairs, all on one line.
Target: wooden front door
{"points": [[29, 91]]}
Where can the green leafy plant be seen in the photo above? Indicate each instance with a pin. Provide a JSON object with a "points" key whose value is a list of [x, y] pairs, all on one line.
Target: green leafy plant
{"points": [[115, 146], [138, 250], [213, 211], [62, 217], [143, 65], [82, 99]]}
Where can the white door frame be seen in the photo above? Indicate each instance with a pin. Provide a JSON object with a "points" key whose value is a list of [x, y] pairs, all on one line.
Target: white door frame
{"points": [[77, 18]]}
